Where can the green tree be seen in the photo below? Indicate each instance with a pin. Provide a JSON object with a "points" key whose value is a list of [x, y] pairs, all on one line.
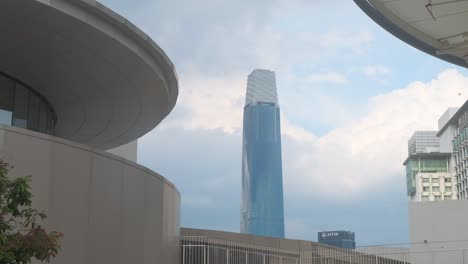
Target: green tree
{"points": [[22, 239]]}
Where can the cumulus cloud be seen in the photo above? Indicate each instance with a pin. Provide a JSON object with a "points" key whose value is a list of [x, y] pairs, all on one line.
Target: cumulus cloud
{"points": [[357, 42], [361, 155], [210, 103], [328, 77], [368, 152], [376, 72]]}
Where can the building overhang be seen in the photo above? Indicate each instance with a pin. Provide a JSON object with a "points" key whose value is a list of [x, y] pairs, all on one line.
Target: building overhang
{"points": [[427, 155], [107, 81], [436, 27]]}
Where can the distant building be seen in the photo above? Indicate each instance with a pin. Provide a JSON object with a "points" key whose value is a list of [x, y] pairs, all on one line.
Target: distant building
{"points": [[341, 239], [423, 142], [262, 211], [455, 131], [428, 173]]}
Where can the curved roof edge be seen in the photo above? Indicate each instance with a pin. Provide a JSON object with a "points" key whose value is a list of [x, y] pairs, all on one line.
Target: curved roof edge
{"points": [[144, 40], [108, 81], [392, 28]]}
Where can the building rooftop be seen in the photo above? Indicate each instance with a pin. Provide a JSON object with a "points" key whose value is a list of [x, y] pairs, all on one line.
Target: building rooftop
{"points": [[423, 142], [261, 87], [454, 119]]}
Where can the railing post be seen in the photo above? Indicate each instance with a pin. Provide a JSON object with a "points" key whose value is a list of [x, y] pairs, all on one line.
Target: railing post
{"points": [[183, 254], [204, 254]]}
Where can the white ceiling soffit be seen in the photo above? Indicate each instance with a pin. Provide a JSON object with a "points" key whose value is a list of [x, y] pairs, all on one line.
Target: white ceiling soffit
{"points": [[440, 24]]}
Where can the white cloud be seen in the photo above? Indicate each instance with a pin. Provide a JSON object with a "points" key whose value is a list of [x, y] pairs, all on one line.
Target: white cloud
{"points": [[358, 42], [328, 77], [210, 103], [368, 152], [377, 72], [361, 155]]}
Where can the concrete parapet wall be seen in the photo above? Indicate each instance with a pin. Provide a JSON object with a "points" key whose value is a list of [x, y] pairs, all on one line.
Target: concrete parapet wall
{"points": [[110, 210]]}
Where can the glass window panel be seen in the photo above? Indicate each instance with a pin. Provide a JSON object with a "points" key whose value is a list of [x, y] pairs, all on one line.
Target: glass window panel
{"points": [[6, 100], [6, 94], [5, 117], [50, 123], [33, 112], [20, 108], [42, 117]]}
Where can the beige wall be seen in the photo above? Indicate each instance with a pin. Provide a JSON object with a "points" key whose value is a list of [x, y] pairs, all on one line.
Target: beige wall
{"points": [[128, 151], [440, 228], [111, 210]]}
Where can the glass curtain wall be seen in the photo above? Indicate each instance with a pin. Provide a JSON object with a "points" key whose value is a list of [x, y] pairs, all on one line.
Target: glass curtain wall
{"points": [[426, 164], [20, 106], [262, 209]]}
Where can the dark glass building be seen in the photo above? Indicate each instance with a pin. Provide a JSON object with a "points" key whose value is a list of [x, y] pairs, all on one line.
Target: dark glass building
{"points": [[262, 211], [341, 239]]}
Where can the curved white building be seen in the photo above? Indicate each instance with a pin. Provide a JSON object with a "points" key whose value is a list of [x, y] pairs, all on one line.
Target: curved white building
{"points": [[77, 79], [436, 27]]}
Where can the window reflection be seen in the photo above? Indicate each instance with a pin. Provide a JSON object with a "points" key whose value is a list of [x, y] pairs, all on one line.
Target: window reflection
{"points": [[20, 106], [20, 111], [5, 117]]}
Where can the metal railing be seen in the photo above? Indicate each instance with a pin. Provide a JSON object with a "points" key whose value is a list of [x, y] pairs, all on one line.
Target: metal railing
{"points": [[206, 250]]}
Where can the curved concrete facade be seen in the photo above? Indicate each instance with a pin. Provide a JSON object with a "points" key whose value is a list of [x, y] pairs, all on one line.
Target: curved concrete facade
{"points": [[107, 81], [110, 210]]}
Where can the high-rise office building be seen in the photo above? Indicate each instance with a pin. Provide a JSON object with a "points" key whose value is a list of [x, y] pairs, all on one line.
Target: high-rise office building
{"points": [[262, 211], [454, 130], [428, 173]]}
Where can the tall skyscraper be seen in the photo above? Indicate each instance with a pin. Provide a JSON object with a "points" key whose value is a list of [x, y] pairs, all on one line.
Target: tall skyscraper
{"points": [[262, 211]]}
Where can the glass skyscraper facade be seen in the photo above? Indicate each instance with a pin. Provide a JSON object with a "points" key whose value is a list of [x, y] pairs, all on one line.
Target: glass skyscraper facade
{"points": [[262, 211]]}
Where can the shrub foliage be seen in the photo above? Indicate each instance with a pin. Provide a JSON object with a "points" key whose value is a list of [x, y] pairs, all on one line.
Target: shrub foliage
{"points": [[22, 238]]}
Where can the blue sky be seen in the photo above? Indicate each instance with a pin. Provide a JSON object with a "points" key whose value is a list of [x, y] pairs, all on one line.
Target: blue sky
{"points": [[350, 94]]}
